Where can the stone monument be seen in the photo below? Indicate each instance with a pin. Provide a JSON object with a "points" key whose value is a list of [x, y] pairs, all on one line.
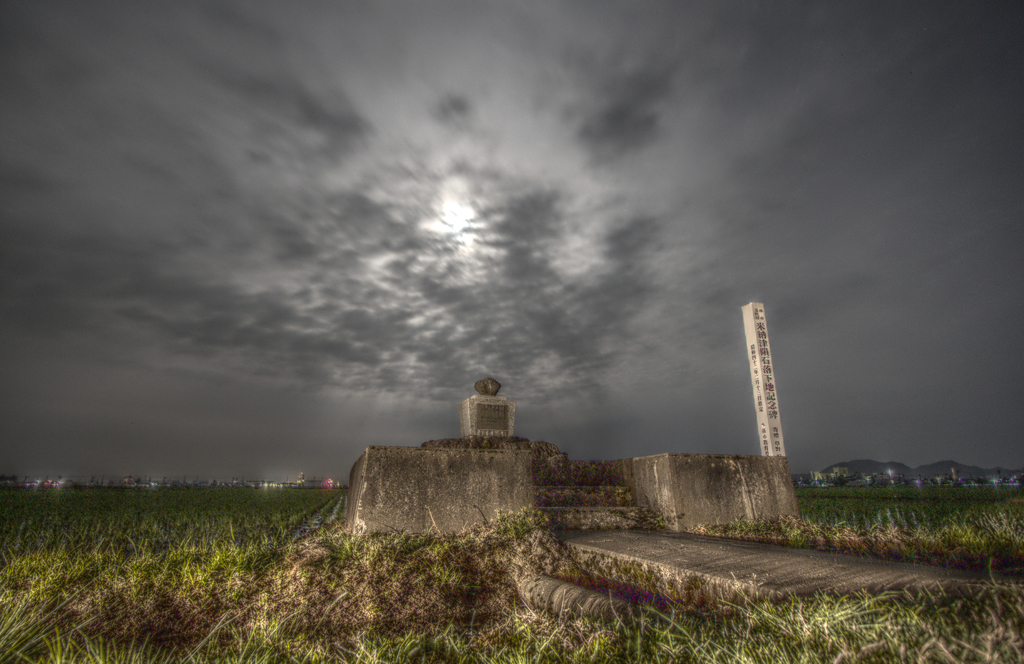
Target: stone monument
{"points": [[762, 377], [487, 415]]}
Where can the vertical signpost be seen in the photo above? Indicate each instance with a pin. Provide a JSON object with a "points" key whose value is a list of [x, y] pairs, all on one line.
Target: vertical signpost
{"points": [[762, 376]]}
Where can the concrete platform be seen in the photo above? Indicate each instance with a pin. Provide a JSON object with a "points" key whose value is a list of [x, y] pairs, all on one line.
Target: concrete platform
{"points": [[680, 565]]}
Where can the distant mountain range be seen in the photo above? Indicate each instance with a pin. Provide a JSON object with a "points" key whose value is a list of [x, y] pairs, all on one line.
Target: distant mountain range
{"points": [[870, 466]]}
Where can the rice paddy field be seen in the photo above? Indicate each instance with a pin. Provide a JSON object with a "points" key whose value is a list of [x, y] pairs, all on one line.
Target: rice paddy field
{"points": [[270, 575], [929, 507], [156, 519]]}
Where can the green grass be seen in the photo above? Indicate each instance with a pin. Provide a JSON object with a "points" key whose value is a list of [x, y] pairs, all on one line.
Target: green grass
{"points": [[908, 507], [452, 598]]}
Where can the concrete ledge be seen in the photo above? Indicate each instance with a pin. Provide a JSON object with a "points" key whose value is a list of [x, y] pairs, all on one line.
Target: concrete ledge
{"points": [[694, 489], [660, 577], [416, 490]]}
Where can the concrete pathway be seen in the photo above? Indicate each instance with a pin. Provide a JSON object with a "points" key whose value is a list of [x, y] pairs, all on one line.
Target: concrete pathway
{"points": [[677, 565]]}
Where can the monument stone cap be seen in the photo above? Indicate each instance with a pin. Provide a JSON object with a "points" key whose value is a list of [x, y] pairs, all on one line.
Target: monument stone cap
{"points": [[486, 414], [488, 387]]}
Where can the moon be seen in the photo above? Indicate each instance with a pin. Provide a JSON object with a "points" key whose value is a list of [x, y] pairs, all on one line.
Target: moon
{"points": [[457, 216], [455, 220]]}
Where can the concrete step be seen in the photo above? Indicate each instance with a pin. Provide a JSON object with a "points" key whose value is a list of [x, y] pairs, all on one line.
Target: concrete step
{"points": [[599, 518], [679, 565], [583, 496]]}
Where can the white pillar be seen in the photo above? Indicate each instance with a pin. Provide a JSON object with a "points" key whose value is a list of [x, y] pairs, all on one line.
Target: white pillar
{"points": [[762, 376]]}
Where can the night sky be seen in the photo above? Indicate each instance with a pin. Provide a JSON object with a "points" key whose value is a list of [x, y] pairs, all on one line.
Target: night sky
{"points": [[252, 238]]}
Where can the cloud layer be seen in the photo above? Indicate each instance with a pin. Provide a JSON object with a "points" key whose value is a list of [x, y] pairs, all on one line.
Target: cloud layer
{"points": [[237, 239]]}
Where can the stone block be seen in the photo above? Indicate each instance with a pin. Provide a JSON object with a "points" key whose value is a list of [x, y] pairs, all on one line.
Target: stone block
{"points": [[417, 490], [694, 489], [487, 417]]}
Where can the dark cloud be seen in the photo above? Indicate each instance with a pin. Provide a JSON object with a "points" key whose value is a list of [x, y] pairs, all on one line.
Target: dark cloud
{"points": [[626, 114], [525, 224], [453, 110], [289, 104], [294, 245], [628, 244], [224, 17]]}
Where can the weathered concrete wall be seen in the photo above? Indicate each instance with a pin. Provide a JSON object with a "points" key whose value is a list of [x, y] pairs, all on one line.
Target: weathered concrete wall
{"points": [[693, 489], [411, 489]]}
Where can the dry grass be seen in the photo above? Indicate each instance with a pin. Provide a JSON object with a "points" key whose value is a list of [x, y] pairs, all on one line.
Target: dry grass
{"points": [[329, 588], [384, 598]]}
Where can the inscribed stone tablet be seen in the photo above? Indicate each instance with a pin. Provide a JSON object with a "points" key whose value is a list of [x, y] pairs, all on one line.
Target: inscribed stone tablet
{"points": [[491, 416]]}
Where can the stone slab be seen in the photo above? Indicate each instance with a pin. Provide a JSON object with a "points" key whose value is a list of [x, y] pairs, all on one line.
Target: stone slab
{"points": [[694, 489], [417, 490], [677, 565]]}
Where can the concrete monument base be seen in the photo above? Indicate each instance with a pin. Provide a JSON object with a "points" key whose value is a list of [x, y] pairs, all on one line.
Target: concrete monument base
{"points": [[416, 490], [694, 489]]}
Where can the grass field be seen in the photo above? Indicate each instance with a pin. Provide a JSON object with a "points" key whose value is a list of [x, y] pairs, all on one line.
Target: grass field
{"points": [[215, 575], [137, 520]]}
